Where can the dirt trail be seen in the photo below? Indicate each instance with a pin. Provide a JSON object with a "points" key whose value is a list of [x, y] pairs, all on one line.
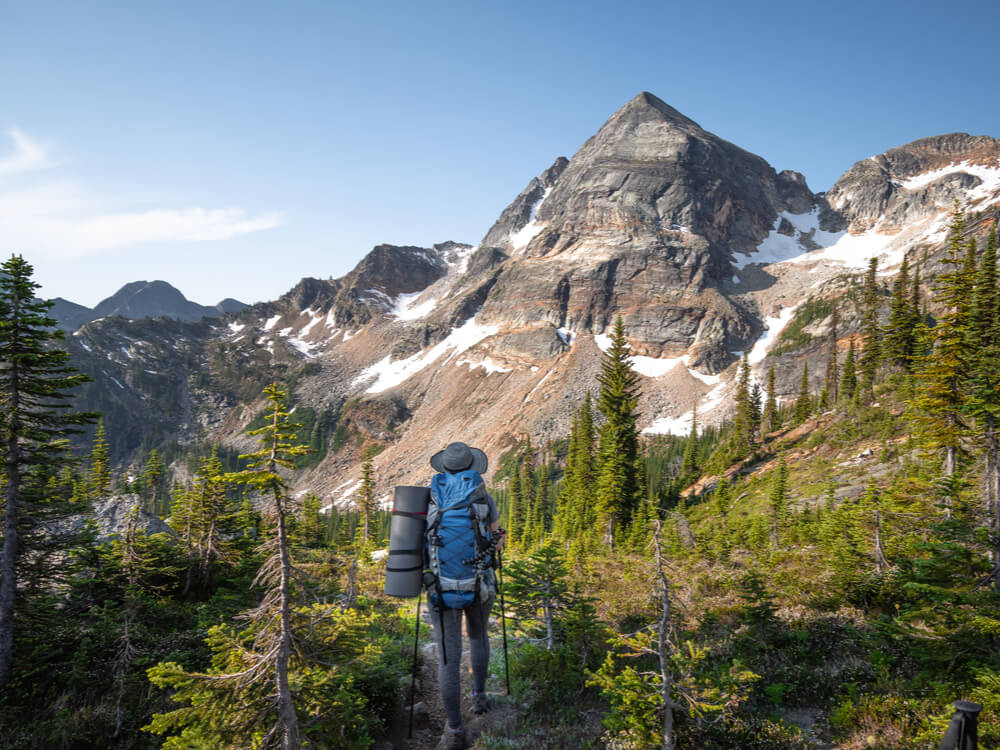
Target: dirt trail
{"points": [[429, 718]]}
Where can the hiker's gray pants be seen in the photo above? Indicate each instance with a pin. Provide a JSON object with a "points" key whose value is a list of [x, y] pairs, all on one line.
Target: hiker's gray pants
{"points": [[449, 675]]}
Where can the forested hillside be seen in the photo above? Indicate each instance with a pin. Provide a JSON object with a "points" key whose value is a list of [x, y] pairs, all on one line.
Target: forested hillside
{"points": [[816, 572]]}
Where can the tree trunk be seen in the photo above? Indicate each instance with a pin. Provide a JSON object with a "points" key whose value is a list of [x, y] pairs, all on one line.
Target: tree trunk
{"points": [[993, 495], [950, 462], [663, 649], [8, 556], [286, 706], [880, 562]]}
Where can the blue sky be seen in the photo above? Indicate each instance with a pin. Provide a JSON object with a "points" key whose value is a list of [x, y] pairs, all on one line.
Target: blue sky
{"points": [[232, 148]]}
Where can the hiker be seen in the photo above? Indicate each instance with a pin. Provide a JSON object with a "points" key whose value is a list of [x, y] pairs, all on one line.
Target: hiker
{"points": [[462, 538]]}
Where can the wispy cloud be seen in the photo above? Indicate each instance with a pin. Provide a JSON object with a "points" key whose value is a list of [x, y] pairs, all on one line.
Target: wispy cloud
{"points": [[26, 154], [62, 218]]}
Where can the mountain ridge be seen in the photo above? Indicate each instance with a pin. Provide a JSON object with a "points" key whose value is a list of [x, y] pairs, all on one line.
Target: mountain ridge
{"points": [[417, 346]]}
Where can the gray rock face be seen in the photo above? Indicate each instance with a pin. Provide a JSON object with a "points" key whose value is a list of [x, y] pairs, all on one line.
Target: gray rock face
{"points": [[112, 517], [641, 223], [519, 213], [874, 190]]}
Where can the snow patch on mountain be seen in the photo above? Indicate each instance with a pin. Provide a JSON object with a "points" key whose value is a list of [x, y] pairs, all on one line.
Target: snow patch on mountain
{"points": [[520, 239], [388, 374], [988, 175], [656, 367], [406, 307], [682, 425], [487, 364], [773, 326]]}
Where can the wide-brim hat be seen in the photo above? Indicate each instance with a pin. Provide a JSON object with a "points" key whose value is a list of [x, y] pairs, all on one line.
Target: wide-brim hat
{"points": [[459, 457]]}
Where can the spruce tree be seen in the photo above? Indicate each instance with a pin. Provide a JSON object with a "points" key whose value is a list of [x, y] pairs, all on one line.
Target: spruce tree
{"points": [[366, 496], [99, 477], [871, 344], [984, 384], [803, 402], [689, 462], [515, 508], [616, 486], [152, 475], [771, 418], [940, 398], [777, 501], [849, 378], [744, 420], [36, 382], [899, 335], [756, 406], [832, 354]]}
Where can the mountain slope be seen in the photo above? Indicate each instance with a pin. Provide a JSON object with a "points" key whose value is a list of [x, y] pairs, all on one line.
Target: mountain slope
{"points": [[702, 248]]}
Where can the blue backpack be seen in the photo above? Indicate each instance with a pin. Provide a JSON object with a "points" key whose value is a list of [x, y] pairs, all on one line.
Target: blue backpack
{"points": [[457, 529]]}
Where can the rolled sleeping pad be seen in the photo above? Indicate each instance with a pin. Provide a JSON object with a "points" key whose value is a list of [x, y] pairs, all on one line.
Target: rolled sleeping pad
{"points": [[404, 570]]}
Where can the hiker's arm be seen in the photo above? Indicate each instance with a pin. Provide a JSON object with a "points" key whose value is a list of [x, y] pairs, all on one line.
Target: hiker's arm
{"points": [[495, 526]]}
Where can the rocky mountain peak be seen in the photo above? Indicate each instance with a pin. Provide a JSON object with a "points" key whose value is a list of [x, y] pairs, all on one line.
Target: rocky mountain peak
{"points": [[894, 188]]}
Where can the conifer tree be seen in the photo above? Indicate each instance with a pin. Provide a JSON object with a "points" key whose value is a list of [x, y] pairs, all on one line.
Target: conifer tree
{"points": [[576, 506], [832, 354], [616, 486], [756, 404], [278, 450], [984, 384], [722, 505], [849, 379], [899, 336], [538, 590], [689, 462], [940, 398], [366, 496], [803, 402], [36, 382], [777, 501], [743, 421], [871, 344], [311, 531], [771, 419], [515, 508], [152, 474], [100, 465]]}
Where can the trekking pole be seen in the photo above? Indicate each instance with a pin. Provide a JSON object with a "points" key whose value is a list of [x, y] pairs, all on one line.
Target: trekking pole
{"points": [[413, 679], [503, 622]]}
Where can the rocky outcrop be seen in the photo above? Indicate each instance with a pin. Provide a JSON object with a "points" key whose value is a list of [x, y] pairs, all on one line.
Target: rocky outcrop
{"points": [[111, 517], [906, 183], [641, 223], [522, 210]]}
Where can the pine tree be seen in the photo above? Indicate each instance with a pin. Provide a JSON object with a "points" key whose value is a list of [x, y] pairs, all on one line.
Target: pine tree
{"points": [[832, 354], [803, 402], [619, 438], [100, 465], [771, 418], [849, 379], [278, 449], [35, 384], [576, 506], [366, 496], [777, 501], [871, 345]]}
